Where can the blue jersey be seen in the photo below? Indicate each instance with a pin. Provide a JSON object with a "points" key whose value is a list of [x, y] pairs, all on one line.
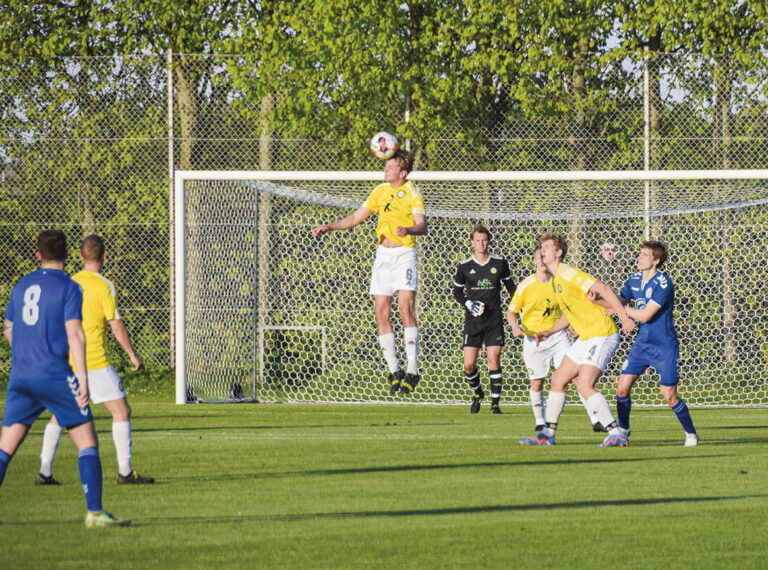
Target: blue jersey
{"points": [[660, 330], [41, 302]]}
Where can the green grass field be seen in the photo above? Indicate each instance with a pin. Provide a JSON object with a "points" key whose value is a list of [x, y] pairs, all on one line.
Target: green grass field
{"points": [[344, 486]]}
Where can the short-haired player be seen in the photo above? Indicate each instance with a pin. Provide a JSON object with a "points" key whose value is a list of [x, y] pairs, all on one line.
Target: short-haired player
{"points": [[477, 287], [656, 344], [401, 217], [99, 308], [535, 302], [43, 324], [590, 353]]}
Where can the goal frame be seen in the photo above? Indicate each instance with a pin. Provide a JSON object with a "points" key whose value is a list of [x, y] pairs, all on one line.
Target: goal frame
{"points": [[182, 176]]}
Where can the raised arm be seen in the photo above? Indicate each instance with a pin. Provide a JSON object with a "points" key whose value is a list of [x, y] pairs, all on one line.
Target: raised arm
{"points": [[346, 223]]}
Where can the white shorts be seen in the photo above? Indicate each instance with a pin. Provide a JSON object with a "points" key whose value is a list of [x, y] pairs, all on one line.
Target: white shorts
{"points": [[549, 353], [104, 385], [596, 351], [395, 269]]}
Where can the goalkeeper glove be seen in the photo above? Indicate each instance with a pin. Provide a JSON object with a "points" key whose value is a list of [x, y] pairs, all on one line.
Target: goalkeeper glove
{"points": [[476, 308]]}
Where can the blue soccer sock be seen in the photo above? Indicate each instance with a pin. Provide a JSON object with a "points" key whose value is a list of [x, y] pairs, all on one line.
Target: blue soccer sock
{"points": [[623, 407], [682, 413], [90, 477], [5, 459]]}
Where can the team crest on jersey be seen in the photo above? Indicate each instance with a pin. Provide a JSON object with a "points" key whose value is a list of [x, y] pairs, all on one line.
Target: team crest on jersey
{"points": [[559, 288], [648, 292], [401, 194], [493, 270]]}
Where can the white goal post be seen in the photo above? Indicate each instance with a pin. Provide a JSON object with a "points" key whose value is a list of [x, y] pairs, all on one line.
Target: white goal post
{"points": [[246, 267]]}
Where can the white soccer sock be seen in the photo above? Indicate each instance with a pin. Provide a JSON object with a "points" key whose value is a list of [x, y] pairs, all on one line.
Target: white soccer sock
{"points": [[599, 410], [121, 436], [387, 343], [51, 437], [555, 405], [537, 404], [584, 403], [412, 349]]}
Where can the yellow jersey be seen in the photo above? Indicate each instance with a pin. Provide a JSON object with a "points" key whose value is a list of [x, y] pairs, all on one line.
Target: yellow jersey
{"points": [[536, 303], [99, 306], [587, 319], [395, 207]]}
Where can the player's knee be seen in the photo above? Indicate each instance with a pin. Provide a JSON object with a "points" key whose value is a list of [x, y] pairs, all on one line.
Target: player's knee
{"points": [[469, 368], [670, 395]]}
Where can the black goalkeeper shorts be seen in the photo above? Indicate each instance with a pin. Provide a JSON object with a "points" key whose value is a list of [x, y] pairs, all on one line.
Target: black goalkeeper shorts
{"points": [[479, 332]]}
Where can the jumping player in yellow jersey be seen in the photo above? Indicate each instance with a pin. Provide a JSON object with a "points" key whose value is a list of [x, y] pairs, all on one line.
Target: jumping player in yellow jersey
{"points": [[99, 308], [590, 353], [402, 216]]}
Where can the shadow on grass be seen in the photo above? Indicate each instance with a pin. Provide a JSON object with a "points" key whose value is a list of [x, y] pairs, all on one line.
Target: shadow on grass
{"points": [[258, 428], [450, 511], [402, 468]]}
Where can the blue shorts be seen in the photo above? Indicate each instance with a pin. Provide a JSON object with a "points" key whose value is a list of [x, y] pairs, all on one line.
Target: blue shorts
{"points": [[662, 359], [26, 400]]}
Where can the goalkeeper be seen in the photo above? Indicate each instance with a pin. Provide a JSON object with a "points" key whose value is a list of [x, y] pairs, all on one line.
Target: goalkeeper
{"points": [[477, 288]]}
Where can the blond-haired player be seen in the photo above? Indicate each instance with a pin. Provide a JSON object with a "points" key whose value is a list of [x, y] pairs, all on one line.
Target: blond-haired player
{"points": [[590, 353], [99, 308], [401, 217]]}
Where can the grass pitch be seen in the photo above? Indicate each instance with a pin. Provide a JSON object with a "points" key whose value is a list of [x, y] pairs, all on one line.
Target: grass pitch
{"points": [[346, 486]]}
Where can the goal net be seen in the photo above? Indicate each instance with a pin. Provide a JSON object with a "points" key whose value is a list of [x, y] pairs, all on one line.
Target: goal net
{"points": [[265, 312]]}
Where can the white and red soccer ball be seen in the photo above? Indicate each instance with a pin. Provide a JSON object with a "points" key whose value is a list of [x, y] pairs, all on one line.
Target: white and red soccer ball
{"points": [[384, 145]]}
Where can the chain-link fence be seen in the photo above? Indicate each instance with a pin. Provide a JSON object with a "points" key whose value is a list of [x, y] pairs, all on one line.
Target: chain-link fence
{"points": [[274, 314], [84, 145]]}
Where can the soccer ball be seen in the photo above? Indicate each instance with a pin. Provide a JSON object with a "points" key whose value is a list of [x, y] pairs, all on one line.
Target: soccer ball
{"points": [[384, 145]]}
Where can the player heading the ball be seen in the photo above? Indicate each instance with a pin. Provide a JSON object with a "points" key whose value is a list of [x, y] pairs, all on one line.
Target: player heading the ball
{"points": [[401, 217]]}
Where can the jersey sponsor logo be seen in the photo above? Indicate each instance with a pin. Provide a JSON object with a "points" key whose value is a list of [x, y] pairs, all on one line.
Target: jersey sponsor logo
{"points": [[401, 194], [485, 283]]}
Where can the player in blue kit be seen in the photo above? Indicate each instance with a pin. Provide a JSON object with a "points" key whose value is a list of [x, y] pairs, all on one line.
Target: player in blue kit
{"points": [[656, 344], [42, 324]]}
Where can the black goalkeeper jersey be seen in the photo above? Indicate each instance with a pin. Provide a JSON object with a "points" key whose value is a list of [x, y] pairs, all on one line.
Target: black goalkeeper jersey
{"points": [[483, 282]]}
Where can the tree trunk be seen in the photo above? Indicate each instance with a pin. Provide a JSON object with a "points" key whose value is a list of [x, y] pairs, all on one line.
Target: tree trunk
{"points": [[576, 226]]}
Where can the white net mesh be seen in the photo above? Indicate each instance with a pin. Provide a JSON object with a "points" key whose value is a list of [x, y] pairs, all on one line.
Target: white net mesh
{"points": [[273, 314]]}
